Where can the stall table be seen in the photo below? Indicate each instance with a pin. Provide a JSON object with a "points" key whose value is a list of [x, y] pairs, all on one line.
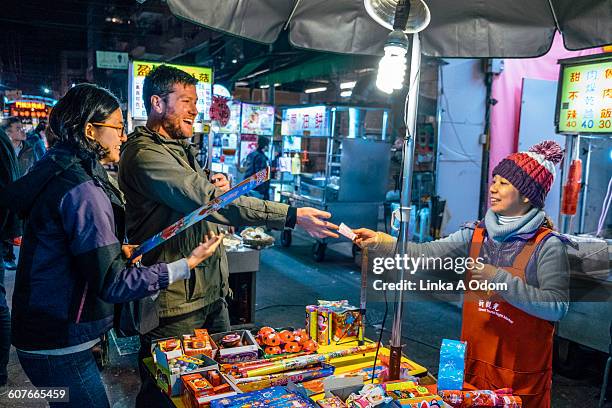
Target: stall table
{"points": [[342, 364]]}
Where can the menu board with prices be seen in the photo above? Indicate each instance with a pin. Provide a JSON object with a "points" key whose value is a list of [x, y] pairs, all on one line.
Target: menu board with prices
{"points": [[585, 99], [308, 121], [257, 119], [140, 69]]}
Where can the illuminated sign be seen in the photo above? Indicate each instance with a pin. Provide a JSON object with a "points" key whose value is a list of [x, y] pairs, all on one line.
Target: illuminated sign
{"points": [[584, 103], [257, 119], [140, 69], [308, 121], [29, 109]]}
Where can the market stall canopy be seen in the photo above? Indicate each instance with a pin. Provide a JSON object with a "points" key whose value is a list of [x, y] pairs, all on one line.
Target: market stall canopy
{"points": [[459, 28]]}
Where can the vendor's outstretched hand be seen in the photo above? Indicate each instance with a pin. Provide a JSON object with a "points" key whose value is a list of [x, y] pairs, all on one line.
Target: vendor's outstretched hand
{"points": [[365, 237], [204, 250], [313, 221]]}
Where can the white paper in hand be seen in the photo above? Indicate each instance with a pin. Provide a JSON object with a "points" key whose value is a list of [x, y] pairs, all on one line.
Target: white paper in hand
{"points": [[346, 231]]}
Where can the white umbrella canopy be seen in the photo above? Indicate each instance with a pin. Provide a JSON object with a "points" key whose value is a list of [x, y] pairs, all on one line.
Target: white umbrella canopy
{"points": [[459, 28]]}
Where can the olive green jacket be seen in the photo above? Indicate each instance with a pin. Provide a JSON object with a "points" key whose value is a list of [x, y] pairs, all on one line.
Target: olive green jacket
{"points": [[162, 182]]}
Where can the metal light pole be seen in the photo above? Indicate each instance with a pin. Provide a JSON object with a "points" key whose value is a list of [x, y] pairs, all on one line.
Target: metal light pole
{"points": [[411, 119]]}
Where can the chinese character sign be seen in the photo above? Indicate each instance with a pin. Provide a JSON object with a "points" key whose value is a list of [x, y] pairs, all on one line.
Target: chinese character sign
{"points": [[585, 105], [308, 121], [140, 69]]}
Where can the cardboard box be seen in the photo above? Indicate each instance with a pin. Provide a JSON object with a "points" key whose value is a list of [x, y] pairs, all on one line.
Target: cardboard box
{"points": [[249, 350], [166, 349], [199, 343], [200, 388], [168, 376]]}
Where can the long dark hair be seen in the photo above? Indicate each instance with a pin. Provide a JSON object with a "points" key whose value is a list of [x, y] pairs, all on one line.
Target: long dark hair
{"points": [[82, 104]]}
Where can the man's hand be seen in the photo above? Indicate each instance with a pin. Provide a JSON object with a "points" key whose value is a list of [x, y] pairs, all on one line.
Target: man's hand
{"points": [[221, 182], [487, 273], [313, 221], [128, 250], [365, 237], [204, 250]]}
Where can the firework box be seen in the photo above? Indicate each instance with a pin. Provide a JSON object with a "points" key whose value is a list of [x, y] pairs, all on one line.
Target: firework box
{"points": [[168, 376], [452, 365], [199, 389], [199, 343], [296, 376], [249, 350], [166, 349], [275, 397], [408, 394]]}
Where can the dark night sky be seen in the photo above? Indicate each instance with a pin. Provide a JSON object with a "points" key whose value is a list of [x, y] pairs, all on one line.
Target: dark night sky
{"points": [[33, 32]]}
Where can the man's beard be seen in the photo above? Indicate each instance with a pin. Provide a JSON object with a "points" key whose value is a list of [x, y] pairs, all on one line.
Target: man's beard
{"points": [[172, 128]]}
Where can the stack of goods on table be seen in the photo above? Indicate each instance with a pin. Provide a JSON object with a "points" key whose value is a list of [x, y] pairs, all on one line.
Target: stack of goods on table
{"points": [[275, 397], [450, 382], [502, 398], [257, 375], [333, 321], [231, 369], [409, 394], [186, 368]]}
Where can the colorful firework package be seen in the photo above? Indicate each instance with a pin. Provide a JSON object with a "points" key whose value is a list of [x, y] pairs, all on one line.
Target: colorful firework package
{"points": [[275, 397], [370, 396], [408, 394], [332, 402], [502, 398], [452, 365], [199, 389], [333, 321]]}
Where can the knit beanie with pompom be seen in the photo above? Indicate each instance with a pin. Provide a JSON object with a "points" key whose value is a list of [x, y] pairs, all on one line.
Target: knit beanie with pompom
{"points": [[532, 172]]}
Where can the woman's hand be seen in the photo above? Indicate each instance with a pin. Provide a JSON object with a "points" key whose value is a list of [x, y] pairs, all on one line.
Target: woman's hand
{"points": [[365, 237], [221, 182], [204, 250], [487, 273], [128, 250]]}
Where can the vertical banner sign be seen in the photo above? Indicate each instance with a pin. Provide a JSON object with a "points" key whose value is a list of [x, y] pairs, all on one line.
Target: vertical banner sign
{"points": [[199, 214]]}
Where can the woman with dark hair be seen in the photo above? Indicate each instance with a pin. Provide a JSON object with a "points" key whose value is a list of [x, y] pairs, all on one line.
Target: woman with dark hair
{"points": [[72, 265]]}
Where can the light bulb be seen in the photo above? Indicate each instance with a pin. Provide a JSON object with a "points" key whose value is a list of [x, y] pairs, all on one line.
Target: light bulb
{"points": [[392, 69]]}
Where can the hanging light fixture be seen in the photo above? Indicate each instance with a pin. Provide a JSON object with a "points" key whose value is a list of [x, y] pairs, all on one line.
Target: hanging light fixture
{"points": [[402, 17], [392, 67]]}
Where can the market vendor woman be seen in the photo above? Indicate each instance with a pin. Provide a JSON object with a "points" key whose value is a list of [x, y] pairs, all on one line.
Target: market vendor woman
{"points": [[509, 333]]}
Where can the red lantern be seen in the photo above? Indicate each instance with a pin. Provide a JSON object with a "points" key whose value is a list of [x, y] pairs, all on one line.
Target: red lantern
{"points": [[219, 110]]}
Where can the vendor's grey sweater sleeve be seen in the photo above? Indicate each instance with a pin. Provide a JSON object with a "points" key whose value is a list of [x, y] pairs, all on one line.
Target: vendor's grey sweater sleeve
{"points": [[551, 300]]}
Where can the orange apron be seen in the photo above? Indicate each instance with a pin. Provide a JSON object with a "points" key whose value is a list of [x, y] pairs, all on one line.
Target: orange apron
{"points": [[507, 347]]}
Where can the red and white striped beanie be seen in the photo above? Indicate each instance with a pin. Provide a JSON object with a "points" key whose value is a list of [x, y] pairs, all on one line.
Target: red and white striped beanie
{"points": [[532, 172]]}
